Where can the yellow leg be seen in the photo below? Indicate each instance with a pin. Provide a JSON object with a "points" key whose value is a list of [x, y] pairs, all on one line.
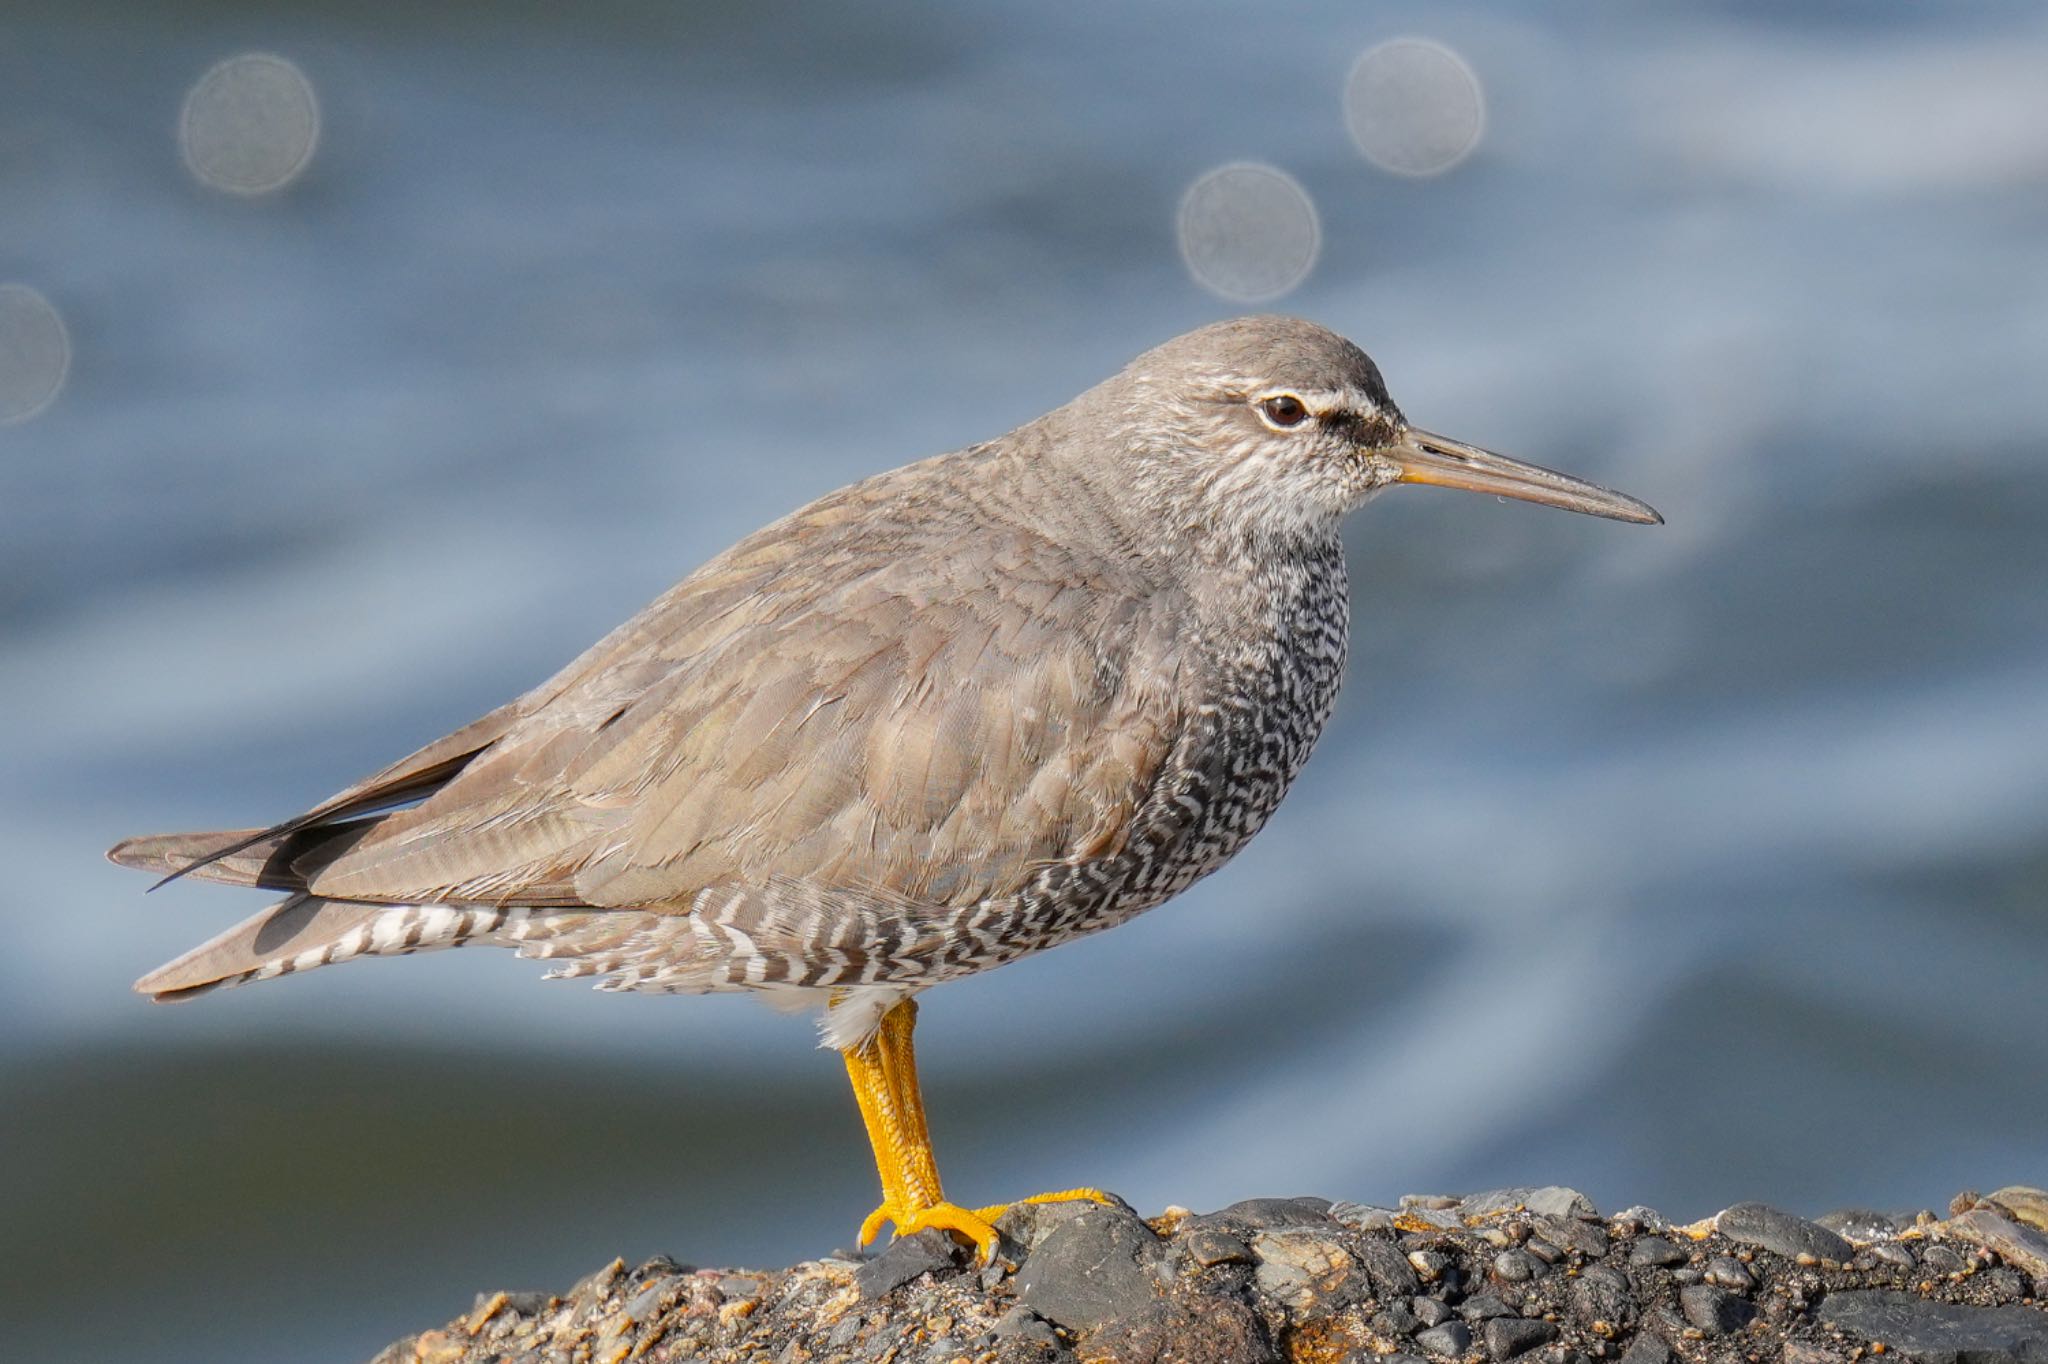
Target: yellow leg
{"points": [[884, 1075]]}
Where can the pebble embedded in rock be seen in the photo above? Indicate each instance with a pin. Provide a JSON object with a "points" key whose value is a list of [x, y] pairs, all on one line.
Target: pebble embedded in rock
{"points": [[1507, 1337], [1430, 1264], [1543, 1250], [1713, 1311], [1942, 1259], [1724, 1271], [1091, 1268], [1517, 1266], [2006, 1282], [1858, 1224], [1209, 1247], [1581, 1238], [1021, 1323], [1450, 1340], [1388, 1269], [1646, 1349], [1483, 1307], [654, 1298], [845, 1331], [1396, 1320], [1603, 1294], [1658, 1252], [1759, 1224], [1298, 1268]]}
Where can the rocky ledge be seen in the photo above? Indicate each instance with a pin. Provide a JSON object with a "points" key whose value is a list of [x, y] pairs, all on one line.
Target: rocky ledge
{"points": [[1529, 1274]]}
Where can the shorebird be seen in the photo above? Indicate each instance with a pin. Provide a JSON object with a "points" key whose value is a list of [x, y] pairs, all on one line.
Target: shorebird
{"points": [[946, 717]]}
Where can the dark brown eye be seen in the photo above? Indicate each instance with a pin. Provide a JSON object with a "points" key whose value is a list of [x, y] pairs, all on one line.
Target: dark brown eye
{"points": [[1283, 409]]}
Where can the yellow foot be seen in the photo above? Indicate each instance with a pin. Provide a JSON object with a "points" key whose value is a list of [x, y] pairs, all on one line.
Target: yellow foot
{"points": [[995, 1210], [948, 1216], [976, 1225]]}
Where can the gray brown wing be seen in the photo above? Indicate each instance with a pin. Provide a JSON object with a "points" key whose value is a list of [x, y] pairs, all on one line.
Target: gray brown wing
{"points": [[920, 715]]}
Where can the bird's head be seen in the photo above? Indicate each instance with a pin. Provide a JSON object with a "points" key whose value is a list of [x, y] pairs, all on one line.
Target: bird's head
{"points": [[1279, 427]]}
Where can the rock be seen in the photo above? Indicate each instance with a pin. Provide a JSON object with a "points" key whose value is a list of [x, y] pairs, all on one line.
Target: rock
{"points": [[1363, 1216], [1396, 1320], [1507, 1337], [1637, 1218], [1098, 1284], [1209, 1246], [1725, 1271], [1939, 1332], [2024, 1204], [1266, 1214], [1391, 1274], [2016, 1244], [1449, 1340], [927, 1252], [1431, 1265], [1019, 1323], [1517, 1266], [1483, 1307], [1942, 1259], [1603, 1297], [1025, 1225], [1659, 1252], [1161, 1332], [1759, 1224], [1859, 1225], [1549, 1201], [1299, 1269], [1094, 1266], [1430, 1219], [1579, 1237], [1712, 1310], [1646, 1349]]}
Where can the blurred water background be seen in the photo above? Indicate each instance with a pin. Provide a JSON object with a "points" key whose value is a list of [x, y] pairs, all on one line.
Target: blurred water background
{"points": [[1681, 866]]}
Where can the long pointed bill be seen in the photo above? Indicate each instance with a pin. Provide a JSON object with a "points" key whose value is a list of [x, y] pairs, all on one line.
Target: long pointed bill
{"points": [[1424, 457]]}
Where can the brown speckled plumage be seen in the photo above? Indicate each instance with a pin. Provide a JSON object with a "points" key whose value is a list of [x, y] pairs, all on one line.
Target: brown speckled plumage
{"points": [[953, 714]]}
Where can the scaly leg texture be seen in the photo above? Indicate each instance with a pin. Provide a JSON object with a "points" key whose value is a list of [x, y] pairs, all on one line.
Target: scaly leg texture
{"points": [[884, 1074]]}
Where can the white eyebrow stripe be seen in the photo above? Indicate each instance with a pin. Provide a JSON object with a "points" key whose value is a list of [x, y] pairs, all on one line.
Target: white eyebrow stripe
{"points": [[1324, 401]]}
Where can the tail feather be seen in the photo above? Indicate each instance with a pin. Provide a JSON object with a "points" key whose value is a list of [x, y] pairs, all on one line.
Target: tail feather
{"points": [[265, 858], [304, 931]]}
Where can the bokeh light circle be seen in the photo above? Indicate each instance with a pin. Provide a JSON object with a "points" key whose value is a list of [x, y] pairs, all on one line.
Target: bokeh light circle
{"points": [[35, 353], [1414, 107], [1248, 232], [249, 125]]}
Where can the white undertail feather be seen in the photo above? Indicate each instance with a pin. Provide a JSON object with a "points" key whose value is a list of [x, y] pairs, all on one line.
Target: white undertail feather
{"points": [[305, 931]]}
